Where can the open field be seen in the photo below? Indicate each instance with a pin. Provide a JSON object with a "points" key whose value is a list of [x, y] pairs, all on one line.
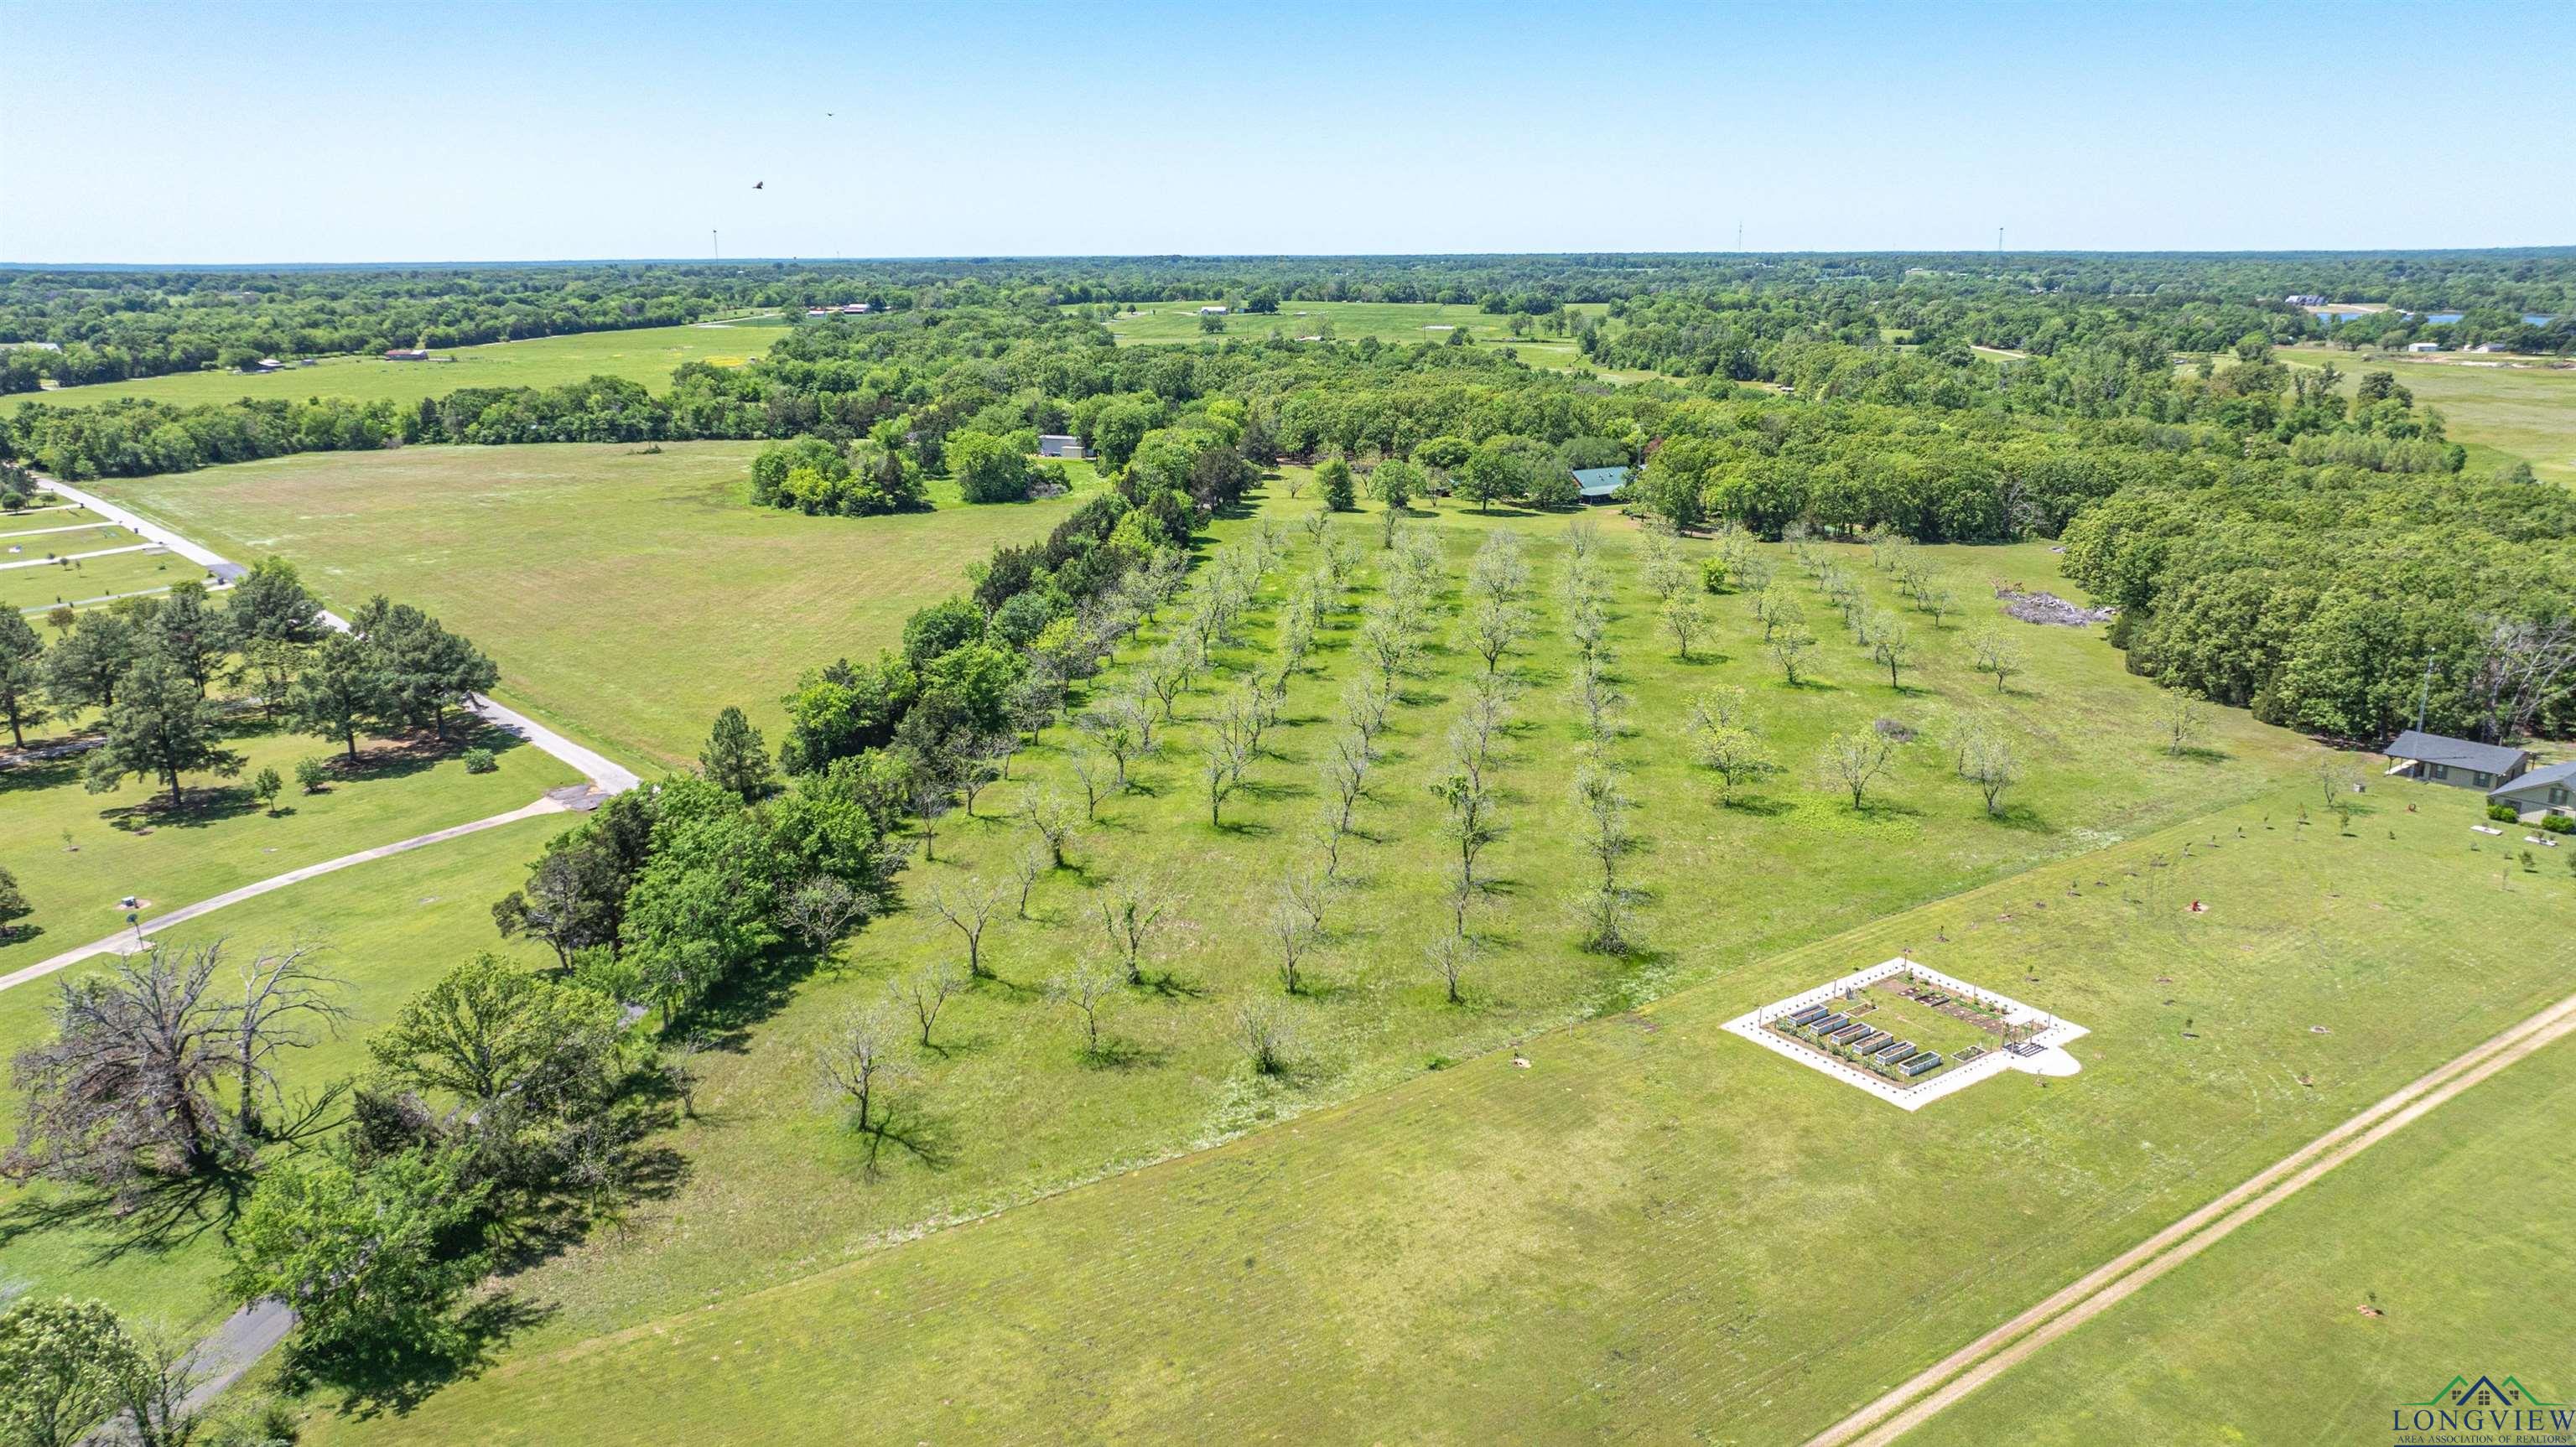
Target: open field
{"points": [[1178, 321], [646, 354], [2459, 1271], [778, 1190], [628, 596], [76, 853], [1622, 1238], [390, 926], [2527, 413], [1406, 322]]}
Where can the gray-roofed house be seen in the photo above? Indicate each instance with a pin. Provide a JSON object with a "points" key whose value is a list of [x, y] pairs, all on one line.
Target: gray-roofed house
{"points": [[2460, 763], [1598, 484], [2547, 790], [1057, 444]]}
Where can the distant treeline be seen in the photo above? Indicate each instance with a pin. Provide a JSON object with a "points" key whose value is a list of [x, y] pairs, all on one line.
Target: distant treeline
{"points": [[119, 324], [2302, 542]]}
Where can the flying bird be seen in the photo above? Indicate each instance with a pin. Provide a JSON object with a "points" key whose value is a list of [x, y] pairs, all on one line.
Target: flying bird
{"points": [[756, 185]]}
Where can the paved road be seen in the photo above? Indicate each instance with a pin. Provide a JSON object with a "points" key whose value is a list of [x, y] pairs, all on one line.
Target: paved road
{"points": [[1972, 1366], [236, 1346]]}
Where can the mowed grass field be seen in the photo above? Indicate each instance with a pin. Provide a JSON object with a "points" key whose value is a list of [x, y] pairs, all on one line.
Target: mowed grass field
{"points": [[627, 595], [76, 854], [1007, 1110], [2525, 413], [1406, 322], [387, 928], [2448, 1230], [644, 354], [1641, 1228]]}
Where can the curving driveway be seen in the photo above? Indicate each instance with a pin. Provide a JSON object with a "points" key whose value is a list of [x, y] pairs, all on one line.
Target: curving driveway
{"points": [[605, 775]]}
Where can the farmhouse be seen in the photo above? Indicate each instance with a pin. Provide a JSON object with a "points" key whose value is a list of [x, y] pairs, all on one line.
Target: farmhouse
{"points": [[1599, 484], [2423, 346], [2549, 790], [1211, 311], [1057, 444], [408, 354], [2460, 763]]}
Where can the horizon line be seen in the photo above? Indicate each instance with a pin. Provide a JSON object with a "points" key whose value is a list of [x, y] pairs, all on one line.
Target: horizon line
{"points": [[1002, 258]]}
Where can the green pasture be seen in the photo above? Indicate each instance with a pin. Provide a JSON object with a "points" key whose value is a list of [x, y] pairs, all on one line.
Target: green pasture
{"points": [[1616, 1229], [2442, 1231], [2527, 412], [1404, 322], [387, 928], [1010, 1110], [1407, 322], [2502, 413], [647, 354], [628, 595], [76, 854]]}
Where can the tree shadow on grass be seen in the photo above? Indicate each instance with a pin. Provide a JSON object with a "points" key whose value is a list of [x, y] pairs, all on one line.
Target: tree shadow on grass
{"points": [[2020, 817], [927, 1137], [1116, 1053], [41, 775], [201, 806], [1171, 986], [1760, 806], [400, 1375], [160, 1216]]}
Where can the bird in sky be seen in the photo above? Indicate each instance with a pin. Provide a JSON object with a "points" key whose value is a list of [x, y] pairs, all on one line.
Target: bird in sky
{"points": [[756, 185]]}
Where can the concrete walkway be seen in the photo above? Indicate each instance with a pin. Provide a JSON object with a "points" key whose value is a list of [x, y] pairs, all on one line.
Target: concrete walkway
{"points": [[128, 940], [78, 557], [85, 602], [65, 528], [206, 558]]}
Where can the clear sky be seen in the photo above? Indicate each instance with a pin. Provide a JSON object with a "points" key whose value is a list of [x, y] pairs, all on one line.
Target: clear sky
{"points": [[240, 132]]}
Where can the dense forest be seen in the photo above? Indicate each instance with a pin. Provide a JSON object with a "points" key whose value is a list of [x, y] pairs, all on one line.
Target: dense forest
{"points": [[111, 325], [2309, 542]]}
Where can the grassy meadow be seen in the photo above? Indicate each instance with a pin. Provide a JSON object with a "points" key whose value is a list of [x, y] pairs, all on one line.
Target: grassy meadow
{"points": [[388, 927], [646, 354], [1407, 1192], [627, 595], [778, 1189], [2459, 1270], [2500, 413], [1406, 322], [76, 854], [1610, 1230]]}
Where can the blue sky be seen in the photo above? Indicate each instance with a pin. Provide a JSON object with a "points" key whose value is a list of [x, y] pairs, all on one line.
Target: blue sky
{"points": [[248, 132]]}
